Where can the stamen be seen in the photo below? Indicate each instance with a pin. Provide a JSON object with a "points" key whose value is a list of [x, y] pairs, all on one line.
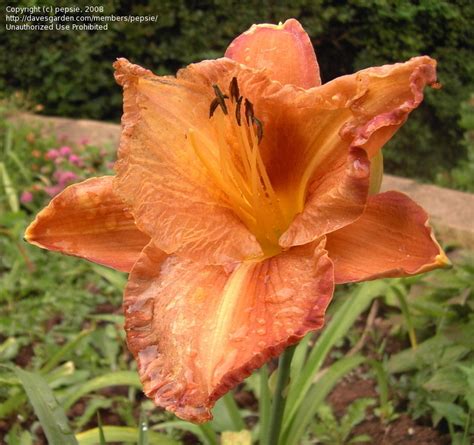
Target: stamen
{"points": [[248, 111], [234, 89], [259, 126], [237, 111], [234, 161], [221, 97], [214, 104]]}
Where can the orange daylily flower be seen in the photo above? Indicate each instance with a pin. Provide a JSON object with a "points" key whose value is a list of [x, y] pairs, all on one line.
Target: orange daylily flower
{"points": [[241, 197]]}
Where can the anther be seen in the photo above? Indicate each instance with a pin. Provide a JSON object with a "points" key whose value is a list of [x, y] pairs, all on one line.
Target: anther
{"points": [[214, 104], [221, 97], [234, 89], [248, 111], [237, 110], [259, 126]]}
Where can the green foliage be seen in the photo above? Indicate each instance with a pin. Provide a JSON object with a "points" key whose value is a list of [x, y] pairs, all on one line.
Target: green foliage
{"points": [[52, 323], [329, 431], [52, 417], [437, 376], [462, 176], [70, 73]]}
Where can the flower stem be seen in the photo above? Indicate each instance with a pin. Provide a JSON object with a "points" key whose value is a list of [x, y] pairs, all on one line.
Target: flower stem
{"points": [[279, 398]]}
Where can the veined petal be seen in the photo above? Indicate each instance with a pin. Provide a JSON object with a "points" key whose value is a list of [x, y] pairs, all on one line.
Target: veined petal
{"points": [[361, 111], [285, 50], [309, 137], [197, 331], [90, 221], [336, 200], [391, 239], [170, 193]]}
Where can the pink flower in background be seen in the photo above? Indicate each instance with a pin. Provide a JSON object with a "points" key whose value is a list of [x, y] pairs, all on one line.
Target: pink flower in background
{"points": [[26, 197], [65, 151], [52, 154], [76, 160], [64, 177], [84, 141], [53, 190]]}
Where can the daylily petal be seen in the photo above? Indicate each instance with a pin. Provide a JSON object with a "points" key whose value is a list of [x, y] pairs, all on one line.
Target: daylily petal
{"points": [[197, 331], [338, 200], [285, 50], [391, 239], [90, 221], [361, 111], [309, 137], [170, 193]]}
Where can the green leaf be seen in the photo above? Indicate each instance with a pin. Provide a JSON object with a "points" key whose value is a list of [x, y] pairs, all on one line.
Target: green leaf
{"points": [[436, 350], [400, 293], [233, 412], [116, 279], [51, 416], [451, 412], [357, 302], [226, 414], [203, 432], [9, 349], [92, 407], [143, 437], [294, 431], [120, 434], [299, 357], [9, 189], [382, 380], [64, 350], [355, 414], [118, 378], [361, 438], [449, 379], [101, 430], [264, 403]]}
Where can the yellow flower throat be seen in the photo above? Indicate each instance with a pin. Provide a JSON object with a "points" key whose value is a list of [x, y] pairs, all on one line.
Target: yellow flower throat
{"points": [[234, 161]]}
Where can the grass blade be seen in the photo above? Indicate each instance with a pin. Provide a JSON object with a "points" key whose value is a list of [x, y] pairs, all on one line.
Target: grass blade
{"points": [[208, 433], [406, 314], [233, 412], [51, 416], [116, 279], [9, 189], [119, 378], [316, 395], [101, 430], [299, 357], [382, 381], [120, 434], [205, 434], [337, 328], [68, 347], [264, 404], [21, 167], [143, 430]]}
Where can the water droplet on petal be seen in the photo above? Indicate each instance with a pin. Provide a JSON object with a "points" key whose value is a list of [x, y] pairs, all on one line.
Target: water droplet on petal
{"points": [[359, 169]]}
